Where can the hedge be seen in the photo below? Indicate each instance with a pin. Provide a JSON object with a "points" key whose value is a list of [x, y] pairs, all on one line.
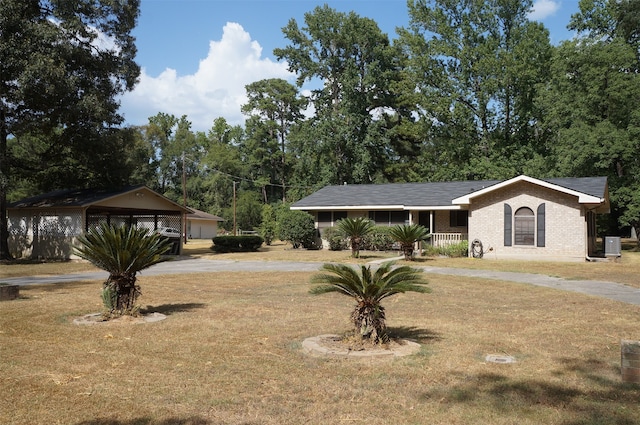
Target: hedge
{"points": [[245, 243]]}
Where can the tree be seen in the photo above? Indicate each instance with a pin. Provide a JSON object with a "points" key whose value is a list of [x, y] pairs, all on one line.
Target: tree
{"points": [[346, 140], [222, 165], [475, 66], [122, 158], [355, 229], [276, 106], [62, 65], [407, 235], [609, 19], [269, 224], [592, 116], [296, 227], [248, 210], [122, 252], [369, 289]]}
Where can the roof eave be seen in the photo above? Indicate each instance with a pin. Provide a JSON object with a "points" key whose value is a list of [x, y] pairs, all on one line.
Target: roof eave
{"points": [[376, 207], [583, 198]]}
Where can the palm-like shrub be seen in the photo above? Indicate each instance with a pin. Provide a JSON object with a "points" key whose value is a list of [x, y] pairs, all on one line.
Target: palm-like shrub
{"points": [[369, 289], [407, 235], [122, 252], [355, 229]]}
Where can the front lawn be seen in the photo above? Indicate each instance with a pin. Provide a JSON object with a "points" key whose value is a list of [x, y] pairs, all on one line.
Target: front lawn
{"points": [[229, 352]]}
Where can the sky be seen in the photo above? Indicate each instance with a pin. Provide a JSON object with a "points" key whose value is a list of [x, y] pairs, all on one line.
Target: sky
{"points": [[197, 56]]}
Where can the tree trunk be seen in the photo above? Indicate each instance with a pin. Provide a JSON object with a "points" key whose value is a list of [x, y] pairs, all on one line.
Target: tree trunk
{"points": [[408, 252], [126, 294], [4, 182], [369, 321]]}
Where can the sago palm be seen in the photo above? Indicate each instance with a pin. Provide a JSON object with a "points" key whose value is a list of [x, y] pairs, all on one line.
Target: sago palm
{"points": [[355, 229], [122, 252], [369, 288], [407, 235]]}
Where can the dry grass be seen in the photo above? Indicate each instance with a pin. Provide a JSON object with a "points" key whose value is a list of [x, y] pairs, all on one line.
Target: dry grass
{"points": [[26, 268], [229, 353]]}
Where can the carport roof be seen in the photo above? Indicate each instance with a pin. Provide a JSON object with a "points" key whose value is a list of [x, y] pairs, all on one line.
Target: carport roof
{"points": [[83, 198]]}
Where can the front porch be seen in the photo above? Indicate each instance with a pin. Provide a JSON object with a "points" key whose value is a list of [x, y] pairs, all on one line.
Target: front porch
{"points": [[444, 239]]}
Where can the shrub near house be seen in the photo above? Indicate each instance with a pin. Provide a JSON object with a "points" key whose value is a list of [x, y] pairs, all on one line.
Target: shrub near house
{"points": [[249, 243]]}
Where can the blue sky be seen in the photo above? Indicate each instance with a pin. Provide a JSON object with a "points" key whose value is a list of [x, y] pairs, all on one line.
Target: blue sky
{"points": [[197, 55]]}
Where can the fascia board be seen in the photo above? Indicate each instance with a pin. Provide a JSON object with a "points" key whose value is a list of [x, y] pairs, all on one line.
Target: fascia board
{"points": [[583, 198], [349, 207], [378, 207], [141, 188]]}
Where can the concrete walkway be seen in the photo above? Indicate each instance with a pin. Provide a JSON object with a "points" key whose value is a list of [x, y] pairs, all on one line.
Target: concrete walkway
{"points": [[610, 290]]}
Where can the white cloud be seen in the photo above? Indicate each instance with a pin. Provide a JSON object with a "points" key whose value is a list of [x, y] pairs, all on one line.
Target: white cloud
{"points": [[543, 9], [216, 89]]}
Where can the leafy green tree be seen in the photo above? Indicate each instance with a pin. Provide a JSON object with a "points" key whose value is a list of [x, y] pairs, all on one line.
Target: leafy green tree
{"points": [[407, 235], [160, 134], [222, 165], [248, 210], [369, 288], [262, 158], [608, 19], [592, 116], [122, 158], [475, 66], [269, 224], [122, 252], [347, 139], [274, 106], [355, 229], [177, 153], [296, 227], [58, 80]]}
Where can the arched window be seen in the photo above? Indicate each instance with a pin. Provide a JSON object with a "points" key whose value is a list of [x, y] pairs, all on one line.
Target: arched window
{"points": [[524, 224]]}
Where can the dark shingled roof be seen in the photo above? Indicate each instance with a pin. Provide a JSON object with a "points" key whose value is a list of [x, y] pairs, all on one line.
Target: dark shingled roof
{"points": [[69, 198], [414, 194], [436, 194], [201, 215], [594, 186]]}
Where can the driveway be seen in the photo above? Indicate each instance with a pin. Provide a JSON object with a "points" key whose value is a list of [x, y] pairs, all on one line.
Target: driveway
{"points": [[610, 290]]}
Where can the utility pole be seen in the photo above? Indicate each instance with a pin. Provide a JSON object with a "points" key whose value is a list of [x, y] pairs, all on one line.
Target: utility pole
{"points": [[184, 198], [234, 209]]}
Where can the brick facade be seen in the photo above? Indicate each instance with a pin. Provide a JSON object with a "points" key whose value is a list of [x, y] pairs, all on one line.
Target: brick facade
{"points": [[565, 226]]}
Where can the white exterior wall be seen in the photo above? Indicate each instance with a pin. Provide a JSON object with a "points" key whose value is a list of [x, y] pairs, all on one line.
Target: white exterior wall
{"points": [[565, 227], [50, 234], [202, 229]]}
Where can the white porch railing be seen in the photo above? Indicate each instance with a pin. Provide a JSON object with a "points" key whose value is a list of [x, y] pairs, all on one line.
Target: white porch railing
{"points": [[444, 239]]}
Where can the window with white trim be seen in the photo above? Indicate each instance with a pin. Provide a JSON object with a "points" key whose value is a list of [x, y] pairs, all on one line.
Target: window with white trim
{"points": [[524, 227]]}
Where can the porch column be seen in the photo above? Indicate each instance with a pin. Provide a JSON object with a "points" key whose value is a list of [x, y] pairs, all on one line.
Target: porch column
{"points": [[431, 229]]}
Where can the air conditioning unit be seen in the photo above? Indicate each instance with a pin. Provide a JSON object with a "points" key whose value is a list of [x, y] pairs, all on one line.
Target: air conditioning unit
{"points": [[612, 246]]}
